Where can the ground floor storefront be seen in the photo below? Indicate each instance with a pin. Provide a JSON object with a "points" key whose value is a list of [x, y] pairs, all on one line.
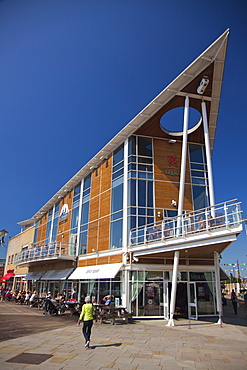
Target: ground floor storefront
{"points": [[146, 290]]}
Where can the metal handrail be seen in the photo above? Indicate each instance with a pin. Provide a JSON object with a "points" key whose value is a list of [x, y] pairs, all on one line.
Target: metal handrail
{"points": [[47, 250], [222, 215]]}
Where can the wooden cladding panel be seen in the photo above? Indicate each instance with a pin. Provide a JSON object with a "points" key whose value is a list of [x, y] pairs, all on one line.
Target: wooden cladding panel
{"points": [[94, 209], [105, 203], [104, 234], [166, 191], [167, 159], [92, 236], [106, 175], [152, 127], [100, 261], [95, 182], [117, 258]]}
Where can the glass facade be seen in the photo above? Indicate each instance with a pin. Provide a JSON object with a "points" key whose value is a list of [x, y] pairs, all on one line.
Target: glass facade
{"points": [[199, 176], [116, 233], [140, 182]]}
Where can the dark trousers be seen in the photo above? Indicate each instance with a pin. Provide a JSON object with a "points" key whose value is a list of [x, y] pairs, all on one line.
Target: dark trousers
{"points": [[235, 307], [87, 327]]}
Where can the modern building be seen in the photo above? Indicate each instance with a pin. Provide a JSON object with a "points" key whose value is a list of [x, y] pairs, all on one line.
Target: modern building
{"points": [[139, 220]]}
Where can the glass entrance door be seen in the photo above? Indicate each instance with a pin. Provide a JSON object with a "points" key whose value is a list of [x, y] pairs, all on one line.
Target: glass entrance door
{"points": [[192, 301]]}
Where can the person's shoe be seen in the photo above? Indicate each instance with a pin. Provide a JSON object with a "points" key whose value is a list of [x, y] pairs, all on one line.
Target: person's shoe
{"points": [[87, 344]]}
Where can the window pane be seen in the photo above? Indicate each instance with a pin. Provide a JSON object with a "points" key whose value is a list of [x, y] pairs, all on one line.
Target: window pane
{"points": [[75, 217], [87, 182], [116, 216], [132, 193], [117, 174], [77, 189], [118, 155], [145, 146], [150, 194], [195, 153], [141, 193], [116, 234], [145, 160], [200, 197], [117, 198], [117, 167], [132, 145], [84, 213], [54, 231], [117, 182]]}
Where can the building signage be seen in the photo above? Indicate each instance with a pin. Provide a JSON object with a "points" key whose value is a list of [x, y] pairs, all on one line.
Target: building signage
{"points": [[92, 271], [64, 212], [172, 173], [172, 160]]}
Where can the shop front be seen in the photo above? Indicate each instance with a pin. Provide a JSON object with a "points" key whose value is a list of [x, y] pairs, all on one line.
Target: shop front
{"points": [[147, 293]]}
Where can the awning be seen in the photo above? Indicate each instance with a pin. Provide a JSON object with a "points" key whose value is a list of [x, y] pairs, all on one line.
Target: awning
{"points": [[96, 272], [57, 274], [35, 275], [8, 276]]}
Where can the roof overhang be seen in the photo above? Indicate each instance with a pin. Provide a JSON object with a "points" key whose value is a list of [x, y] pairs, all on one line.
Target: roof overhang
{"points": [[215, 53]]}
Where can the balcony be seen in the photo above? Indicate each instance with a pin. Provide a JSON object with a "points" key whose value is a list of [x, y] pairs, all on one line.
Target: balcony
{"points": [[53, 250], [213, 225]]}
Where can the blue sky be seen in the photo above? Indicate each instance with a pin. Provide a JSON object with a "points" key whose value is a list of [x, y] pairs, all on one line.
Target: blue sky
{"points": [[74, 73]]}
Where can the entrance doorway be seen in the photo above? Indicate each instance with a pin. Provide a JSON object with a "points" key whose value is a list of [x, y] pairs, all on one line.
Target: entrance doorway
{"points": [[181, 306]]}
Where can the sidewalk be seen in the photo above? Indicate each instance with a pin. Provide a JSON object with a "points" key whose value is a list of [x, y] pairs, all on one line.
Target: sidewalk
{"points": [[146, 344]]}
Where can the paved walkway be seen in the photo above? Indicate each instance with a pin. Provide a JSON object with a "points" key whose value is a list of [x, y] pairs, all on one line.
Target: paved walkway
{"points": [[146, 344]]}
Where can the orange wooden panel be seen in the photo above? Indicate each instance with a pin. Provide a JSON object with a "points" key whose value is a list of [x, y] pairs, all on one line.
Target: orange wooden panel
{"points": [[116, 259], [104, 234], [167, 161], [105, 203], [106, 174], [95, 182], [94, 209], [92, 236]]}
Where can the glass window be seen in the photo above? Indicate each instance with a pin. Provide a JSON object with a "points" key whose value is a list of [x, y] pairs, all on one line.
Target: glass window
{"points": [[145, 146], [77, 189], [116, 216], [118, 166], [54, 231], [132, 145], [57, 207], [118, 155], [116, 234], [118, 174], [48, 231], [75, 217], [200, 197], [196, 153], [117, 198], [84, 213], [141, 193]]}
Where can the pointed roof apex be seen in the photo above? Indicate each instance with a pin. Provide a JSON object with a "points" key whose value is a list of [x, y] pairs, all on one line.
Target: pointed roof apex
{"points": [[214, 54]]}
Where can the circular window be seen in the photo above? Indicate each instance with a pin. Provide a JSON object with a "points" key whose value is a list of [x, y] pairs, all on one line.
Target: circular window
{"points": [[172, 121]]}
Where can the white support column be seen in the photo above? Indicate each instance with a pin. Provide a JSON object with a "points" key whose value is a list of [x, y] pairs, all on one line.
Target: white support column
{"points": [[208, 157], [125, 286], [174, 288], [183, 163], [79, 220], [218, 287], [125, 198]]}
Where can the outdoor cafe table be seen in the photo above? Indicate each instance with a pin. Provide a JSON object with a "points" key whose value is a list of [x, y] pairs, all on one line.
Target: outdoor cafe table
{"points": [[112, 313], [73, 307]]}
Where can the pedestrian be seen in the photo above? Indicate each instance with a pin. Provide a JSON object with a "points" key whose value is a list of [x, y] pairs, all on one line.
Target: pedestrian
{"points": [[87, 317], [234, 300]]}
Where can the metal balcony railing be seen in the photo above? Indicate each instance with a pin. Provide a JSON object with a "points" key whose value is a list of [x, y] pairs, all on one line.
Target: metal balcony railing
{"points": [[223, 215], [44, 251]]}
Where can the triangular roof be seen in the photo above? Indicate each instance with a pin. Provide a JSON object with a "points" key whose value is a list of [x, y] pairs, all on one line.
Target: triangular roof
{"points": [[212, 59]]}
